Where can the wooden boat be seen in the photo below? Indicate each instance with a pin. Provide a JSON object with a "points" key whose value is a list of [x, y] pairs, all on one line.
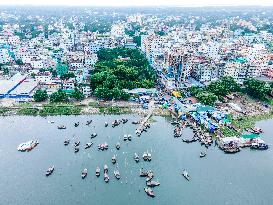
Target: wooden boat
{"points": [[77, 143], [114, 160], [93, 135], [142, 173], [89, 122], [76, 149], [145, 156], [61, 127], [152, 183], [186, 174], [66, 142], [88, 145], [77, 124], [149, 192], [118, 146], [106, 177], [125, 137], [105, 168], [117, 174], [50, 170], [136, 157], [202, 154], [84, 173], [97, 171], [129, 137], [106, 124]]}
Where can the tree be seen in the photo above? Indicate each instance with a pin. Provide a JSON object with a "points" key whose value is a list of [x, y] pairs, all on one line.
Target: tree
{"points": [[40, 96], [66, 76], [207, 98], [77, 94], [59, 96], [256, 88]]}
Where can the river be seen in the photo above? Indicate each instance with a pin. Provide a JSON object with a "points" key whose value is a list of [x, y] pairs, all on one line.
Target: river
{"points": [[245, 178]]}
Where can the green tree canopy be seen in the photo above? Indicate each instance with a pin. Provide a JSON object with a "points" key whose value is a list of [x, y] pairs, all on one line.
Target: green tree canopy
{"points": [[256, 88], [40, 96], [77, 94], [119, 69], [59, 96]]}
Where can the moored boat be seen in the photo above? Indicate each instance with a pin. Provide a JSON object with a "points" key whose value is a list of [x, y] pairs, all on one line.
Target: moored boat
{"points": [[129, 137], [106, 177], [117, 174], [145, 156], [27, 146], [84, 173], [105, 168], [118, 146], [149, 192], [125, 137], [76, 149], [152, 183], [136, 157], [97, 171], [76, 124], [114, 160], [106, 124]]}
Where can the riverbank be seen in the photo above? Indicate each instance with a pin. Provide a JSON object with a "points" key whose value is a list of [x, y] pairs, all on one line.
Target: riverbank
{"points": [[52, 109], [243, 123]]}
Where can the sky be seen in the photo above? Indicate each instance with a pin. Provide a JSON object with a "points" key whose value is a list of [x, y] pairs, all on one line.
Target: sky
{"points": [[138, 2]]}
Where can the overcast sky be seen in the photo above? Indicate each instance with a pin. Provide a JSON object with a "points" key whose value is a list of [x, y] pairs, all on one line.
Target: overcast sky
{"points": [[137, 2]]}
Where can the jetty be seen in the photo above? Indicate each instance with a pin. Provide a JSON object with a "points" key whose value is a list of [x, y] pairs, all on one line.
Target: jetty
{"points": [[143, 122]]}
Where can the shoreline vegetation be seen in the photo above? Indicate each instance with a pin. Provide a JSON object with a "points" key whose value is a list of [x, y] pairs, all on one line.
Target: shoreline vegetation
{"points": [[55, 109], [243, 123]]}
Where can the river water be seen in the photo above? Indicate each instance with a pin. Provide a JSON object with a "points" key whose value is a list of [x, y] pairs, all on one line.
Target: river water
{"points": [[244, 178]]}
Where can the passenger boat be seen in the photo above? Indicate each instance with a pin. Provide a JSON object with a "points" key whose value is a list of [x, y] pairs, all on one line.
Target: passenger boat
{"points": [[118, 146], [88, 145], [66, 142], [61, 127], [149, 192], [129, 137], [27, 146], [97, 171], [259, 146], [125, 137], [114, 160], [106, 177], [77, 124], [117, 174], [84, 173], [152, 183], [202, 154], [186, 174], [105, 168], [50, 170], [136, 157]]}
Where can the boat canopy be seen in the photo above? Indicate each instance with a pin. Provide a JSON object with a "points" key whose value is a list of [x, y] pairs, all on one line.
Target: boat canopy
{"points": [[250, 136]]}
